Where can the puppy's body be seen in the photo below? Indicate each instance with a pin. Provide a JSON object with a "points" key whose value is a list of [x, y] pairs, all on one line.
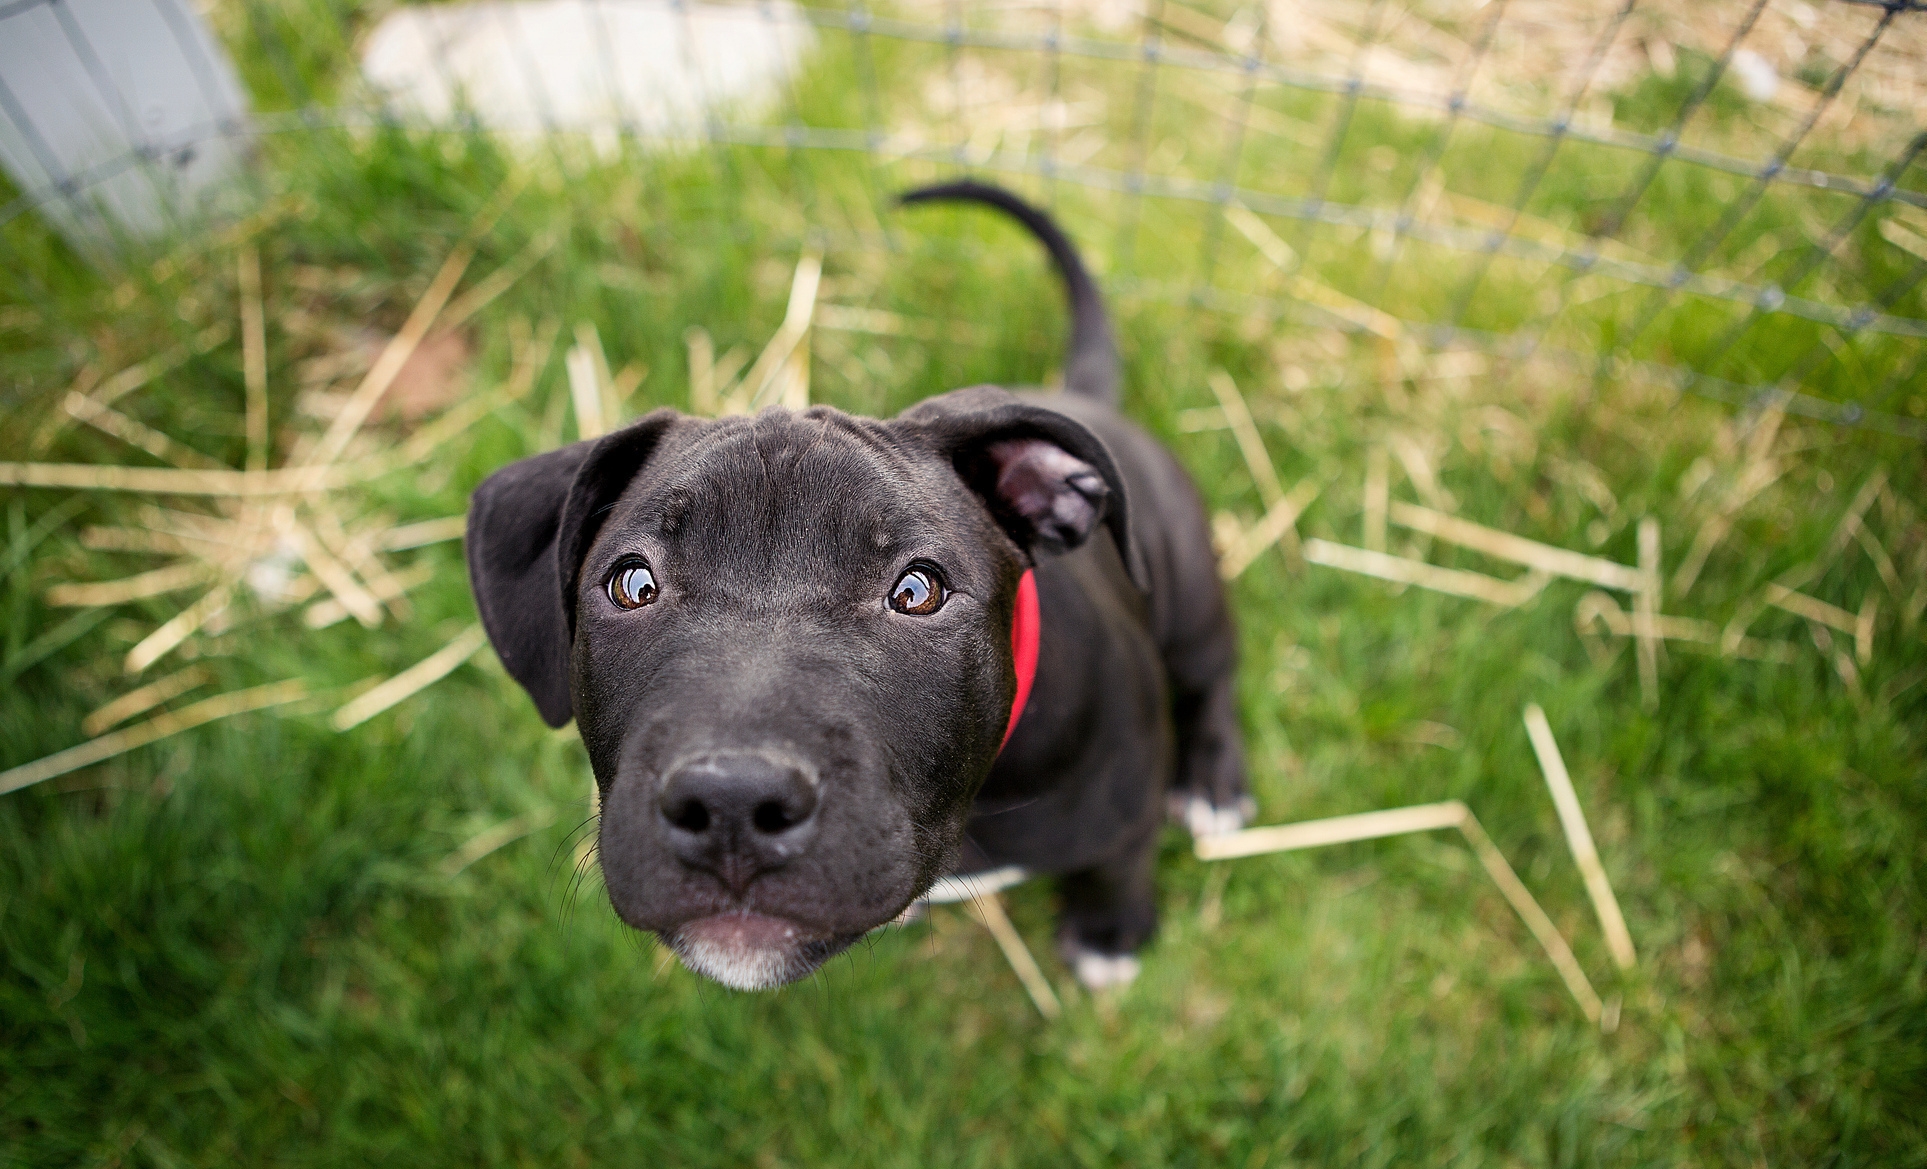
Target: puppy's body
{"points": [[791, 747], [1133, 703]]}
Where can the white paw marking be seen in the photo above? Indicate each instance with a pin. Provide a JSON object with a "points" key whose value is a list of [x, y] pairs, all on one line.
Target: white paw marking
{"points": [[1105, 971], [1204, 818]]}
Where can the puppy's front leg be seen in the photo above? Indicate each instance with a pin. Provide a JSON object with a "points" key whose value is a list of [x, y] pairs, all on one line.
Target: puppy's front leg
{"points": [[1210, 796], [1109, 912]]}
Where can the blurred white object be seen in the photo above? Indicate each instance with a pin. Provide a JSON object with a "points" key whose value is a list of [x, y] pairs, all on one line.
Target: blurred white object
{"points": [[646, 66], [117, 117], [1757, 76]]}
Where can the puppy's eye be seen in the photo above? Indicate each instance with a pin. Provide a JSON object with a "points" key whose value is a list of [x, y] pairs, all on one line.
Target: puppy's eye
{"points": [[918, 592], [631, 584]]}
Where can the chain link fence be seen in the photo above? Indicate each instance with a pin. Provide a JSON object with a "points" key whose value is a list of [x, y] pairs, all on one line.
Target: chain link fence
{"points": [[1725, 201]]}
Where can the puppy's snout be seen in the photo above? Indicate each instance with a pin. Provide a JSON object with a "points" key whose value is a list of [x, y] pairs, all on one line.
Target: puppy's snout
{"points": [[738, 815]]}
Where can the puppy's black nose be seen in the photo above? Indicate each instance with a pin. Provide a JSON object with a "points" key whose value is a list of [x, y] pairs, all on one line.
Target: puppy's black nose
{"points": [[738, 814]]}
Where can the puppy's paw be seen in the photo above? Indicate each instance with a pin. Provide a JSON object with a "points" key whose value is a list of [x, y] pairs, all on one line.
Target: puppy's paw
{"points": [[1100, 972], [1204, 818]]}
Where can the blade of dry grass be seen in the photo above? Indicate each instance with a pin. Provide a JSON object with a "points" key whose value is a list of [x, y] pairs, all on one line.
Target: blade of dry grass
{"points": [[1811, 608], [411, 681], [172, 481], [144, 699], [122, 741], [1277, 524], [881, 323], [703, 399], [1517, 549], [1282, 256], [1601, 607], [135, 433], [1853, 520], [1646, 642], [1883, 563], [1401, 822], [1585, 854], [155, 583], [503, 834], [389, 588], [1378, 492], [1332, 830], [254, 356], [1863, 629], [528, 366], [1250, 444], [989, 910], [100, 538], [177, 629], [1418, 468], [422, 534], [495, 283], [748, 395], [355, 598], [1535, 918], [1458, 583], [585, 392], [1755, 478], [134, 377], [366, 396]]}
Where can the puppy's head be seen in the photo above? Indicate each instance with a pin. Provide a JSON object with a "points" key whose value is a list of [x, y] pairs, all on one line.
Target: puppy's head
{"points": [[786, 642]]}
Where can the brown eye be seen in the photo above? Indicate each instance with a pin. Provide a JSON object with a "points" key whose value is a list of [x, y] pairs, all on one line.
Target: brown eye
{"points": [[631, 584], [918, 592]]}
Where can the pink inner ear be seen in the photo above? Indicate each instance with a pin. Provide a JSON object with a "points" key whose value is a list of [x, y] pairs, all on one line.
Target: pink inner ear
{"points": [[1034, 474]]}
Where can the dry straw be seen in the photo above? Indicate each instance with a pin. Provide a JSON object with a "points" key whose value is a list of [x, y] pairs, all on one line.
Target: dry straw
{"points": [[113, 423], [411, 681], [174, 722], [1572, 818], [144, 699], [254, 356], [177, 629], [989, 910], [1352, 312], [1282, 508], [1517, 549], [589, 383], [1400, 822], [1277, 524], [781, 372], [1402, 570], [1598, 610], [153, 583], [1237, 416], [489, 840], [422, 533], [174, 481]]}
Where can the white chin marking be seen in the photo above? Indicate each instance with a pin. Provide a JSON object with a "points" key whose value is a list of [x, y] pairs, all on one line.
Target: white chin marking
{"points": [[1105, 971], [746, 951], [737, 967]]}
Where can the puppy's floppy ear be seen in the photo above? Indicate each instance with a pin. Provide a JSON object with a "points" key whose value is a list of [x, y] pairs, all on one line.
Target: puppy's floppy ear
{"points": [[1046, 478], [529, 526]]}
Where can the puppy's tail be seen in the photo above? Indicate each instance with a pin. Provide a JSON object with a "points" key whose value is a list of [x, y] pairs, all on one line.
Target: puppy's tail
{"points": [[1091, 369]]}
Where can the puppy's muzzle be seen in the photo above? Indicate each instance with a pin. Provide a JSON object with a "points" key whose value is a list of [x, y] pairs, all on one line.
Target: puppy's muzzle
{"points": [[739, 814]]}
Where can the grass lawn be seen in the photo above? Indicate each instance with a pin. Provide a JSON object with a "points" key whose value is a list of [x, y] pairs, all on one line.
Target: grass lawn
{"points": [[247, 943]]}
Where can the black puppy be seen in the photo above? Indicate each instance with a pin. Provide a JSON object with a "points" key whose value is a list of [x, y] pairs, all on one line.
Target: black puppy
{"points": [[788, 643]]}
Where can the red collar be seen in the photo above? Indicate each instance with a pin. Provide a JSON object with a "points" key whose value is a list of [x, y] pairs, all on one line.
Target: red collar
{"points": [[1025, 626]]}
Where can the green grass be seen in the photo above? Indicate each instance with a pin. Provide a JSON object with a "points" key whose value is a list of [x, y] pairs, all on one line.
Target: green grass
{"points": [[238, 946]]}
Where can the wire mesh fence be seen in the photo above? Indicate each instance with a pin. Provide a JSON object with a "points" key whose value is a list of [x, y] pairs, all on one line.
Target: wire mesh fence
{"points": [[1724, 201]]}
